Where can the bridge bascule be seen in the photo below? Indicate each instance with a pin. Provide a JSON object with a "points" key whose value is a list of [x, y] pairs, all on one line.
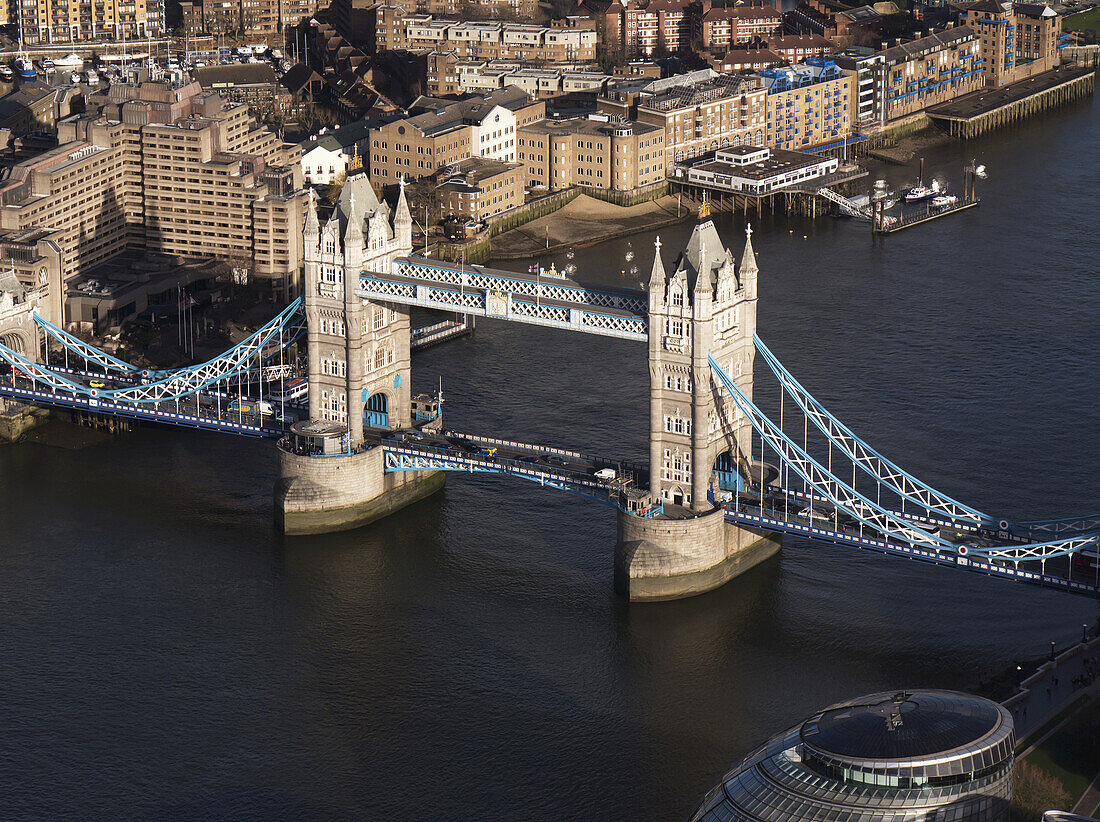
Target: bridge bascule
{"points": [[724, 480]]}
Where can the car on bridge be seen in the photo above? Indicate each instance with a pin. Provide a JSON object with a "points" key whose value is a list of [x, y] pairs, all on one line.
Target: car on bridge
{"points": [[814, 514], [605, 474], [487, 451], [552, 459]]}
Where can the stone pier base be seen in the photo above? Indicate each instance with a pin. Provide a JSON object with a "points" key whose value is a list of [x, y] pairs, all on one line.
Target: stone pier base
{"points": [[16, 419], [318, 495], [658, 559]]}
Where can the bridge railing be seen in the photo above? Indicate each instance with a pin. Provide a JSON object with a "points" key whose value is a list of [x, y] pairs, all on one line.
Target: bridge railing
{"points": [[639, 469]]}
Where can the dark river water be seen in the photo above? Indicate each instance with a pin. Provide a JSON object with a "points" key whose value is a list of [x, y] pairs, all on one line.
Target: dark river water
{"points": [[164, 653]]}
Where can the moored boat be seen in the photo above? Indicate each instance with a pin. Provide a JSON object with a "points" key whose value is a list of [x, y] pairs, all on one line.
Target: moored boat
{"points": [[918, 193]]}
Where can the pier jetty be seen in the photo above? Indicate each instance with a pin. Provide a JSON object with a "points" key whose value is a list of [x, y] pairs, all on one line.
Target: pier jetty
{"points": [[981, 111]]}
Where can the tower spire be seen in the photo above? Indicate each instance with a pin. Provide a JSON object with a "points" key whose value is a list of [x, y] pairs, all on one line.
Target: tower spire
{"points": [[657, 275], [748, 259], [313, 226]]}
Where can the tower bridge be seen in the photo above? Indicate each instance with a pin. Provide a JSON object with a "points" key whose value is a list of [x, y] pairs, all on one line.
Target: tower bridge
{"points": [[724, 481]]}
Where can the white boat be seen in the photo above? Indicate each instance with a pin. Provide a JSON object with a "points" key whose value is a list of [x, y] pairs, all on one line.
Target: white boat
{"points": [[93, 78], [944, 200], [6, 74], [24, 68], [70, 61], [74, 77], [918, 193]]}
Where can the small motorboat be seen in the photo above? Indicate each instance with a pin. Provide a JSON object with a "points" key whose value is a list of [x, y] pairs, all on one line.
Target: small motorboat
{"points": [[6, 74], [918, 193], [944, 200]]}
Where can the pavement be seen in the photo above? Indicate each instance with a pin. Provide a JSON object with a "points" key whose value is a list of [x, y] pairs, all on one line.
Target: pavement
{"points": [[1054, 686], [1089, 803]]}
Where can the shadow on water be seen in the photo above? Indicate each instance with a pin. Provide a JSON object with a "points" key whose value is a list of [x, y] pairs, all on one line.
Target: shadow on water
{"points": [[166, 652]]}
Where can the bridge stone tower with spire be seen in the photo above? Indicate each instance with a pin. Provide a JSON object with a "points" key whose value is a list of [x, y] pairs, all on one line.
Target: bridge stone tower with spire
{"points": [[706, 306], [359, 359]]}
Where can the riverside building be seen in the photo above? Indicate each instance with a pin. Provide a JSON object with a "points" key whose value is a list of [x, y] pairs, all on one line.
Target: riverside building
{"points": [[699, 112], [887, 757], [169, 170]]}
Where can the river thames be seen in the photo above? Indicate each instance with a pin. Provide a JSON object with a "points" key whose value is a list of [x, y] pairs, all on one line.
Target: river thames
{"points": [[166, 654]]}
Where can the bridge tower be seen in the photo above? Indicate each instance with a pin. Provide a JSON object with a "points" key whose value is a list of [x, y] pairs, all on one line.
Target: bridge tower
{"points": [[359, 369], [706, 306]]}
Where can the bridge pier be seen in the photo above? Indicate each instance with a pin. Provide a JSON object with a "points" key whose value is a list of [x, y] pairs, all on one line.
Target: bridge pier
{"points": [[660, 559], [323, 494]]}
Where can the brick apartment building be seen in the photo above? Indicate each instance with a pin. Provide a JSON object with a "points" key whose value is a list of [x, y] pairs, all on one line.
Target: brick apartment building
{"points": [[60, 21], [165, 169], [648, 27], [698, 112], [250, 16], [1018, 40], [572, 39], [724, 27], [615, 155], [809, 105], [445, 132], [477, 188], [931, 70]]}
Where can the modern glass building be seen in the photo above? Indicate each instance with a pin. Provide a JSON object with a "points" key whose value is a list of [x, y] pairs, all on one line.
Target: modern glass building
{"points": [[913, 756]]}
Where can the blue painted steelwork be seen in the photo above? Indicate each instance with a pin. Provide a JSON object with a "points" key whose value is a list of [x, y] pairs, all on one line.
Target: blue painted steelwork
{"points": [[893, 527], [139, 412], [978, 564], [400, 456], [539, 300], [863, 455], [181, 383], [818, 477], [88, 352]]}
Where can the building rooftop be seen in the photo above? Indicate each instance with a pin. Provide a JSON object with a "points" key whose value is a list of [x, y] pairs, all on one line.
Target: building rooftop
{"points": [[468, 174], [582, 125], [933, 42], [443, 115], [703, 86], [903, 725], [778, 161], [236, 74]]}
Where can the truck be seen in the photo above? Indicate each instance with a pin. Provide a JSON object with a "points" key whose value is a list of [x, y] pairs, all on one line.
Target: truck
{"points": [[246, 405]]}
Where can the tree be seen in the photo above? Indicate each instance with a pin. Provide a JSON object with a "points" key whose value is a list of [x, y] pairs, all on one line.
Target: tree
{"points": [[1035, 791], [332, 193]]}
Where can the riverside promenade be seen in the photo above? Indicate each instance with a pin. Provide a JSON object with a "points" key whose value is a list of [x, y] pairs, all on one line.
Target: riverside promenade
{"points": [[1055, 685]]}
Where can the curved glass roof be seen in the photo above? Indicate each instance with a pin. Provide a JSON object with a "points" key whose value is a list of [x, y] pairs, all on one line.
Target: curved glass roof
{"points": [[901, 725]]}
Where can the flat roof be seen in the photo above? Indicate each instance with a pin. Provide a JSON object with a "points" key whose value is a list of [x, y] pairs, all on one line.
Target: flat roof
{"points": [[778, 162]]}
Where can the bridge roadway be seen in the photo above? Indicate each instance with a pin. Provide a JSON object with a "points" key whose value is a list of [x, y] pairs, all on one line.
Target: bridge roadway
{"points": [[446, 450], [777, 514], [538, 299], [209, 411]]}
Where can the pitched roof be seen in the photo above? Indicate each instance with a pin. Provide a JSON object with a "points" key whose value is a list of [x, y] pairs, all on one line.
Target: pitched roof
{"points": [[298, 77], [235, 74], [704, 254], [914, 48], [987, 5]]}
